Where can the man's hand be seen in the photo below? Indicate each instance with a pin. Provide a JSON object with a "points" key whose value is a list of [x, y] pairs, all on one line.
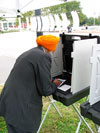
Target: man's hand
{"points": [[57, 82]]}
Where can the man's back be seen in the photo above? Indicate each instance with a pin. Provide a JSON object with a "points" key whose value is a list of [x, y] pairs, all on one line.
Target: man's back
{"points": [[21, 99]]}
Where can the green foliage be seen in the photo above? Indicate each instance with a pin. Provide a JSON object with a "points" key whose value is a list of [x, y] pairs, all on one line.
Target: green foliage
{"points": [[83, 19], [2, 19], [26, 14], [97, 21], [17, 22], [3, 128], [63, 8], [90, 21]]}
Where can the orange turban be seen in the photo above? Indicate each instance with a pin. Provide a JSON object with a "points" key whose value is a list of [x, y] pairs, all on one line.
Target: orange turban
{"points": [[48, 41]]}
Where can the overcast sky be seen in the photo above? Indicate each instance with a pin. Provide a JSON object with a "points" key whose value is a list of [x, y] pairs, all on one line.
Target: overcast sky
{"points": [[90, 7]]}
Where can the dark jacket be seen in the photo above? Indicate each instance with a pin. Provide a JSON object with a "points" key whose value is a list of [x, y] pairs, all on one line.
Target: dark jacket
{"points": [[29, 80]]}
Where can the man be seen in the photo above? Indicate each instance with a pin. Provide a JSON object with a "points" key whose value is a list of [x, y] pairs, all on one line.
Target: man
{"points": [[29, 80]]}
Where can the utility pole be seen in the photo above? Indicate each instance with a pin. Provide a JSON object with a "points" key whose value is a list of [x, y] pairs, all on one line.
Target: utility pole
{"points": [[19, 19]]}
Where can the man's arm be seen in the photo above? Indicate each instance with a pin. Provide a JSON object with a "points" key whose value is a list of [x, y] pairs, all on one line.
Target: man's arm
{"points": [[44, 83]]}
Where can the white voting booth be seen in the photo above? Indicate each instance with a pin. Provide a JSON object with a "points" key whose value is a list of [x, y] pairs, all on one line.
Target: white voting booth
{"points": [[95, 80], [91, 108], [95, 77], [81, 70], [81, 73], [81, 67]]}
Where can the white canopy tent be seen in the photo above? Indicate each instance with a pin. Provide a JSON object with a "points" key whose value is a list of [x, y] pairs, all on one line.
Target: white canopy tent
{"points": [[18, 41], [13, 6]]}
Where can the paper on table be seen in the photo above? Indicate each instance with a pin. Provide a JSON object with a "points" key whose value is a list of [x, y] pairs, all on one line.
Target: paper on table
{"points": [[62, 81], [64, 87]]}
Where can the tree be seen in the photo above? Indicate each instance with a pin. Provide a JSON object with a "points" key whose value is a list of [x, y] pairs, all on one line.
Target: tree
{"points": [[2, 19], [90, 21], [66, 8], [98, 20], [83, 19], [26, 14]]}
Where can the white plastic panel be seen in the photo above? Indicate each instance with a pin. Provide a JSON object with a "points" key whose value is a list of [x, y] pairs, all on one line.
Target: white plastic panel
{"points": [[95, 78], [33, 23], [52, 22], [27, 20], [38, 18], [57, 23], [81, 69], [65, 22], [75, 19], [45, 23]]}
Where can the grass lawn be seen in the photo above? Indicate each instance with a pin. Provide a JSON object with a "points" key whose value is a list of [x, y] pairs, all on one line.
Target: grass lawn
{"points": [[54, 123]]}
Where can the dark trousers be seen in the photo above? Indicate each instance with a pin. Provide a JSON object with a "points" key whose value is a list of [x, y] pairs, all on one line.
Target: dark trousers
{"points": [[12, 129]]}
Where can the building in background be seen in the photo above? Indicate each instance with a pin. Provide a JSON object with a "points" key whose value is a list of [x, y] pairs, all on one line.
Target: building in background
{"points": [[8, 22]]}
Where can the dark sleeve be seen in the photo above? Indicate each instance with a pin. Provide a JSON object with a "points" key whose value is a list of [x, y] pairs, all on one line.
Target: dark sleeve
{"points": [[44, 83]]}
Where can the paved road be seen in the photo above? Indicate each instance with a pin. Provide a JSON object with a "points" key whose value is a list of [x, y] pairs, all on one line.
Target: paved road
{"points": [[11, 46], [17, 42]]}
